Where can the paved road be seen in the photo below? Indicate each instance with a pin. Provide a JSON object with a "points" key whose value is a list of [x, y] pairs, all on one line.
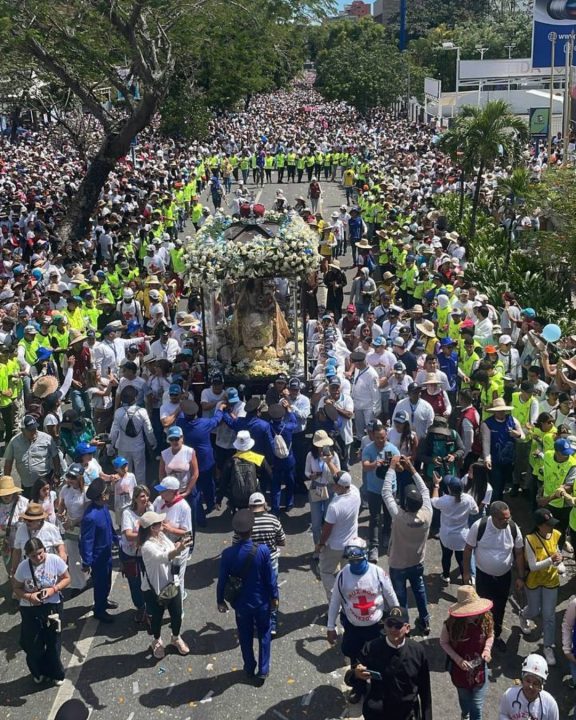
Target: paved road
{"points": [[111, 668]]}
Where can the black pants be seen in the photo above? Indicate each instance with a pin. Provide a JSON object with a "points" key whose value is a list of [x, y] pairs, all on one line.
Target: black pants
{"points": [[447, 560], [353, 641], [7, 413], [563, 515], [156, 613], [496, 589], [379, 519], [291, 172], [41, 641]]}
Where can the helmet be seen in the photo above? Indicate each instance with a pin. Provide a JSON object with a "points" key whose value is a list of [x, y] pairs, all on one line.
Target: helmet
{"points": [[356, 549], [535, 665]]}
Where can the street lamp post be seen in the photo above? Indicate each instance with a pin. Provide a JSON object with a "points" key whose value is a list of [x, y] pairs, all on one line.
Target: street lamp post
{"points": [[552, 37], [509, 48], [481, 50], [569, 52], [452, 46]]}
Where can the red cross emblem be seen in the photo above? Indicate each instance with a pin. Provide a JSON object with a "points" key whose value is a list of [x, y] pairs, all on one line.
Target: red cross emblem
{"points": [[364, 605]]}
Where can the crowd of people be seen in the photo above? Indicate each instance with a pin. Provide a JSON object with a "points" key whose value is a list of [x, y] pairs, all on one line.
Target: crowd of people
{"points": [[446, 403]]}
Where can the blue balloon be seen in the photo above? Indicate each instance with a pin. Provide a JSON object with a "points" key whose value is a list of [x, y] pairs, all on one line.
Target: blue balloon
{"points": [[551, 333]]}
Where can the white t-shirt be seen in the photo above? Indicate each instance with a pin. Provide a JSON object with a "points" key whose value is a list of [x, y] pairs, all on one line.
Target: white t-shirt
{"points": [[209, 396], [6, 510], [454, 519], [178, 465], [158, 566], [75, 502], [515, 706], [179, 515], [495, 552], [100, 402], [342, 512], [364, 598], [46, 574], [92, 471], [123, 490], [130, 521], [48, 533]]}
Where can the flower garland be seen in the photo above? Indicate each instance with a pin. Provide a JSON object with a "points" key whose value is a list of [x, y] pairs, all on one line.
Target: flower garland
{"points": [[211, 258]]}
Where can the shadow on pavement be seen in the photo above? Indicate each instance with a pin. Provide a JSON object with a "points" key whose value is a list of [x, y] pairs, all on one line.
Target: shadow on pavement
{"points": [[326, 702], [193, 691]]}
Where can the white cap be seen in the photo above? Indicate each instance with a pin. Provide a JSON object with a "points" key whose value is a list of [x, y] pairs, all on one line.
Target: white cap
{"points": [[257, 499], [168, 483], [151, 518], [505, 339]]}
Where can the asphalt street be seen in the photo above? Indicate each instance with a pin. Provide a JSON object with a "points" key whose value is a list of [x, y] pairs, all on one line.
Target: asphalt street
{"points": [[112, 670]]}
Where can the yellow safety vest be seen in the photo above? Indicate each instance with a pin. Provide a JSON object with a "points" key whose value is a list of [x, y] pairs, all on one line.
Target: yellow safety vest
{"points": [[521, 410], [554, 475], [30, 350], [543, 548]]}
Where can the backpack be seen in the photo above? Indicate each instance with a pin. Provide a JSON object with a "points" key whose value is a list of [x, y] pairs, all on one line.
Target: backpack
{"points": [[130, 428], [279, 447], [482, 529], [243, 482]]}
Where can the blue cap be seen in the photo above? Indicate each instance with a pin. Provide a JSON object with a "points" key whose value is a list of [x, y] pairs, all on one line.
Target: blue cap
{"points": [[232, 395], [37, 274], [43, 353], [133, 325], [17, 270], [174, 389], [446, 342], [119, 462], [330, 372], [564, 447], [452, 482], [529, 312], [174, 432], [100, 273], [84, 448], [410, 258], [442, 291], [379, 341]]}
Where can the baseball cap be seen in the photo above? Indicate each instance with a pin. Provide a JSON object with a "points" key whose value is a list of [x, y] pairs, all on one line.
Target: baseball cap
{"points": [[398, 342], [397, 613], [151, 518], [528, 312], [505, 339], [413, 387], [174, 432], [399, 367], [75, 470], [544, 516], [119, 462], [563, 446], [257, 499], [401, 416], [174, 389], [294, 383], [85, 448], [168, 483], [378, 341], [334, 380], [446, 342], [29, 422]]}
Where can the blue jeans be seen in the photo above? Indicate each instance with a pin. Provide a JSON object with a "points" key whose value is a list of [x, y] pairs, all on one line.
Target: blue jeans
{"points": [[134, 583], [317, 512], [81, 403], [282, 474], [415, 575], [542, 602], [471, 701]]}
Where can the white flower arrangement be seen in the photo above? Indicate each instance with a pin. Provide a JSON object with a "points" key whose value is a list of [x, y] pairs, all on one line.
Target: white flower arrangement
{"points": [[211, 258]]}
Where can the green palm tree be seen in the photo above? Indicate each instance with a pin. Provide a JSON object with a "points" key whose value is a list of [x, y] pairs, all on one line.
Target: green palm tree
{"points": [[454, 143], [517, 190], [488, 133]]}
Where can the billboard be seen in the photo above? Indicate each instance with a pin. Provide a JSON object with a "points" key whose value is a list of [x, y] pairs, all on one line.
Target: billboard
{"points": [[432, 88], [558, 16], [539, 122]]}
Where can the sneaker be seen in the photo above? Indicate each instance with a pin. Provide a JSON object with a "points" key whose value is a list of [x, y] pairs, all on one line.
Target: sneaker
{"points": [[465, 717], [157, 648], [568, 548], [180, 645], [58, 683], [549, 655], [445, 579], [526, 625], [373, 555]]}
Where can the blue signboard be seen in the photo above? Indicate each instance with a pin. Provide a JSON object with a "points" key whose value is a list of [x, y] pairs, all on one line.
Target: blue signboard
{"points": [[552, 16]]}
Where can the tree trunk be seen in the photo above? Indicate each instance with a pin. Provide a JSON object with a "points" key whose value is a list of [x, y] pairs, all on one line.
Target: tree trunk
{"points": [[114, 146], [247, 101], [461, 208], [14, 120], [475, 203]]}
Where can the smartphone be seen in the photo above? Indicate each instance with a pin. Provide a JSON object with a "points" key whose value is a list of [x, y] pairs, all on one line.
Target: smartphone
{"points": [[387, 457], [374, 675]]}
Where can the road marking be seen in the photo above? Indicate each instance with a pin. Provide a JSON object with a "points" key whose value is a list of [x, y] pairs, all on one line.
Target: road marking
{"points": [[258, 195], [80, 653], [135, 688]]}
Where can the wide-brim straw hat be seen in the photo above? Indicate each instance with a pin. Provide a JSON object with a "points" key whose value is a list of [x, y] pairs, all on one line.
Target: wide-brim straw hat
{"points": [[469, 603], [75, 336], [365, 244], [426, 328], [7, 486], [500, 406], [322, 439], [432, 379], [34, 511], [44, 386]]}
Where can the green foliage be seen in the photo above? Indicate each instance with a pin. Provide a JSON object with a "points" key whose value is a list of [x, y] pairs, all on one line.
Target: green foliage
{"points": [[361, 64], [425, 15]]}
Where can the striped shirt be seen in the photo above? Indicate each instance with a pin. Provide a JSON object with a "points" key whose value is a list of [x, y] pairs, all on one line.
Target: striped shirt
{"points": [[267, 530]]}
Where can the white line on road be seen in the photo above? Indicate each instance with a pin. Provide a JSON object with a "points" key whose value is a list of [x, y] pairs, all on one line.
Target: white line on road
{"points": [[87, 637], [258, 195]]}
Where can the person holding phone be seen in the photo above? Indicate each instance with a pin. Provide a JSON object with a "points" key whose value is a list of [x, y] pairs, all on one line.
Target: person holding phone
{"points": [[398, 671], [38, 582]]}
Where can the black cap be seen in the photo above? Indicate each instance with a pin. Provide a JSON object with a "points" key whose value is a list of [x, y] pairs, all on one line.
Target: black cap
{"points": [[544, 516], [75, 470], [281, 377], [357, 356], [413, 496], [413, 387], [397, 613], [96, 489], [29, 422], [243, 521]]}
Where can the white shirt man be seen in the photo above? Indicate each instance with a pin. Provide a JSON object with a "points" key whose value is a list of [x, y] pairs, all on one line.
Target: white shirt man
{"points": [[510, 357], [419, 411], [365, 394]]}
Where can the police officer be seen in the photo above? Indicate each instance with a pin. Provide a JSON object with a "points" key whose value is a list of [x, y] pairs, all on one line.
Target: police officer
{"points": [[362, 593], [257, 596], [96, 538]]}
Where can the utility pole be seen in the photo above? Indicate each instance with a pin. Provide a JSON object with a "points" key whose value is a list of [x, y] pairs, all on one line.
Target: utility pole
{"points": [[403, 23], [569, 52], [481, 50], [552, 37]]}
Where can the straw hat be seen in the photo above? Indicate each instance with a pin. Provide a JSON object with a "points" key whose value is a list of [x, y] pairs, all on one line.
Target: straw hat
{"points": [[388, 276], [500, 406], [44, 386], [7, 486], [34, 511], [75, 336], [364, 244], [426, 327], [469, 603], [432, 379], [321, 439], [187, 321]]}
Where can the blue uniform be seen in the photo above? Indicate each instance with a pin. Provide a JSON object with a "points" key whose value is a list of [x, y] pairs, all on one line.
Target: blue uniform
{"points": [[253, 606], [283, 469], [197, 435], [96, 539]]}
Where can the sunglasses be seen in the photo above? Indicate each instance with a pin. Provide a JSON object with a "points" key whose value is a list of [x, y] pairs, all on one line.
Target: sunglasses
{"points": [[174, 439], [394, 624]]}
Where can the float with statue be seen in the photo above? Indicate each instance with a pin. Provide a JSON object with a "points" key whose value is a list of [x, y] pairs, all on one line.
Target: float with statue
{"points": [[247, 273]]}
